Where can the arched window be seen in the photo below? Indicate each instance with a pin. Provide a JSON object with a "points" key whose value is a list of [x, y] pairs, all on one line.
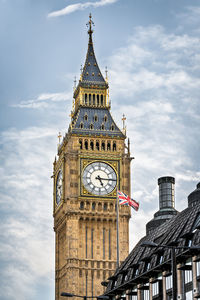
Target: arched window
{"points": [[103, 146], [93, 205], [91, 145], [102, 127], [108, 146], [114, 146], [81, 205], [95, 118], [86, 117], [81, 144], [101, 100], [112, 127], [105, 206], [90, 99], [97, 100], [97, 145], [86, 144], [81, 125], [91, 126], [85, 99], [93, 99], [105, 118]]}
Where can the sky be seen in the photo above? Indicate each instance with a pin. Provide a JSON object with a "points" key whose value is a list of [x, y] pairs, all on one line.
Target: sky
{"points": [[152, 51]]}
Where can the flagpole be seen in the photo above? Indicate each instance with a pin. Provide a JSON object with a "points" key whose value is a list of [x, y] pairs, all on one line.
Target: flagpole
{"points": [[117, 223]]}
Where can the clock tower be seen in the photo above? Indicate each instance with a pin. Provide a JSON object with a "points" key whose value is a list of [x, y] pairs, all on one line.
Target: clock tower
{"points": [[93, 161]]}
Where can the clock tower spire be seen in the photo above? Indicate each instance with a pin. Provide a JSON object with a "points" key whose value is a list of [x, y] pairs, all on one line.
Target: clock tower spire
{"points": [[93, 162]]}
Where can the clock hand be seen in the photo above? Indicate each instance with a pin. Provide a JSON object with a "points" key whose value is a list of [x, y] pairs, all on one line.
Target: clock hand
{"points": [[99, 178]]}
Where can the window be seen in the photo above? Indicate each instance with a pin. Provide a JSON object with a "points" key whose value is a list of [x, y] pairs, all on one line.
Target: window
{"points": [[108, 146], [92, 239], [114, 146], [86, 145], [105, 118], [102, 127], [104, 243], [89, 99], [112, 127], [95, 118], [92, 145], [103, 146], [82, 205], [101, 100], [97, 100], [86, 117], [81, 144], [86, 99], [168, 282], [97, 145], [86, 232], [93, 205], [105, 206], [81, 125], [93, 99], [109, 240], [198, 268], [91, 126]]}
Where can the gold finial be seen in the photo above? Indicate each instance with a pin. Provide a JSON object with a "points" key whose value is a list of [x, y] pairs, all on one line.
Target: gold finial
{"points": [[106, 71], [59, 137], [89, 25], [123, 120]]}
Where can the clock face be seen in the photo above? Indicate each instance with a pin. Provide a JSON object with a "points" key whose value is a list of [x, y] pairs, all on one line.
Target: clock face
{"points": [[59, 187], [99, 178]]}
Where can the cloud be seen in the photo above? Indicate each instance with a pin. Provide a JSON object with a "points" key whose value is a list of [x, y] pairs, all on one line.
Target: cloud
{"points": [[27, 238], [44, 100], [80, 6]]}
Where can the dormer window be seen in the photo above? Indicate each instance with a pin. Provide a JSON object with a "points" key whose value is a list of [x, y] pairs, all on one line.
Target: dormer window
{"points": [[86, 117], [91, 126], [81, 125], [112, 127], [105, 118], [95, 118], [102, 127]]}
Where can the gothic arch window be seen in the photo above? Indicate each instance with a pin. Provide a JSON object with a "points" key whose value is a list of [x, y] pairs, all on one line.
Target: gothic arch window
{"points": [[91, 145], [101, 100], [91, 126], [105, 207], [82, 205], [93, 205], [81, 144], [108, 146], [97, 145], [97, 100], [86, 144], [114, 146], [86, 117], [105, 118], [85, 99], [112, 127], [99, 206], [95, 118], [103, 147], [102, 127], [89, 99], [93, 99], [81, 125], [111, 207]]}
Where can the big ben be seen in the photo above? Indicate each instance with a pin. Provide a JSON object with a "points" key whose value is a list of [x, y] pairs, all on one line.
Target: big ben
{"points": [[92, 162]]}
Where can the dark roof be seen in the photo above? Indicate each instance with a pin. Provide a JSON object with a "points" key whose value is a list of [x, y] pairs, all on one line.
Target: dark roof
{"points": [[89, 121], [91, 71], [178, 229]]}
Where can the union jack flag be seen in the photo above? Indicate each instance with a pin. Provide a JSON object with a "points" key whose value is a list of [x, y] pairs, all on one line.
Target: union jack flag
{"points": [[126, 200]]}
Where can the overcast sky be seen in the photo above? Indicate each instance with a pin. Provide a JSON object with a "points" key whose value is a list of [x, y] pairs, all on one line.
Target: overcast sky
{"points": [[152, 50]]}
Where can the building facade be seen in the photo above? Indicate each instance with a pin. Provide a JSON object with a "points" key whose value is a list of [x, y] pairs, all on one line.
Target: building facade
{"points": [[146, 274], [93, 161]]}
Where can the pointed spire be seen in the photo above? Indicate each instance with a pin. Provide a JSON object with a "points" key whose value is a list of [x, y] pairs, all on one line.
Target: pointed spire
{"points": [[91, 73]]}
